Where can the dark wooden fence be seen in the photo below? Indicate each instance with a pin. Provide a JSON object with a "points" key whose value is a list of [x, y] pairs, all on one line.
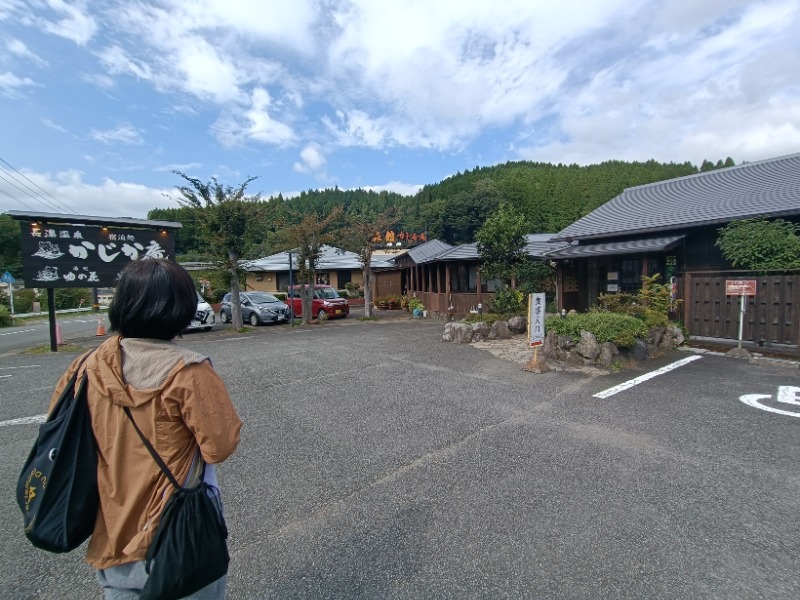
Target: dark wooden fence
{"points": [[772, 316]]}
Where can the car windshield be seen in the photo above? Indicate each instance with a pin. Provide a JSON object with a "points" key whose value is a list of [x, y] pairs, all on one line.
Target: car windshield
{"points": [[262, 298], [327, 292]]}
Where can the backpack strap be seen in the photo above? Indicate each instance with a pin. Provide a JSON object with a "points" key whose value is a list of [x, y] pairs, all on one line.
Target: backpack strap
{"points": [[156, 457]]}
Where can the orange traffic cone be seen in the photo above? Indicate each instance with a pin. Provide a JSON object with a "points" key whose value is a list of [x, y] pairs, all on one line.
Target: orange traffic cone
{"points": [[101, 329], [59, 339]]}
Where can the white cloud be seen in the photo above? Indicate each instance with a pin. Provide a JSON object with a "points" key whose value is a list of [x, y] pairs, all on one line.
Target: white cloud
{"points": [[75, 25], [18, 48], [125, 133], [55, 126], [254, 123], [406, 189], [109, 199], [312, 159], [193, 166], [11, 85]]}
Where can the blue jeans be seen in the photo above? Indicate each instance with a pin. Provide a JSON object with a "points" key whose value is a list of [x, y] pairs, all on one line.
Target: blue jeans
{"points": [[124, 582]]}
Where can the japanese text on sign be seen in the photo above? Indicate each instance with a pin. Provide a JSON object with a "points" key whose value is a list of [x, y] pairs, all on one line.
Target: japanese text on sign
{"points": [[740, 287], [86, 256], [536, 311]]}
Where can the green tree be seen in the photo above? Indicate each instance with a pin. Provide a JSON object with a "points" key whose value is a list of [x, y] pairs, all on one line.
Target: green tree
{"points": [[761, 245], [357, 236], [501, 244], [307, 238], [225, 215], [10, 246]]}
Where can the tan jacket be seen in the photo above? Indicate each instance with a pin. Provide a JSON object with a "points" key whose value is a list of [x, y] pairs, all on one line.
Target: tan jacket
{"points": [[179, 402]]}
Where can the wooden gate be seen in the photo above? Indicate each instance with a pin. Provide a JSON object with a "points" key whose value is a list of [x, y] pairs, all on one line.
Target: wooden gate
{"points": [[772, 316]]}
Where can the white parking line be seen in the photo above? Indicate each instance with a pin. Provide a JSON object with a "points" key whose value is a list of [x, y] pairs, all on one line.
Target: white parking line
{"points": [[25, 420], [632, 382], [16, 332]]}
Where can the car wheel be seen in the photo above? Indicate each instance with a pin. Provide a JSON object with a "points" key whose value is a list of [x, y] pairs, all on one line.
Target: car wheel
{"points": [[254, 320], [223, 316], [322, 316]]}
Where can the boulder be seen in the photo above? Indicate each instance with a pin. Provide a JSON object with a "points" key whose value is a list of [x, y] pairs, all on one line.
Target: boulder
{"points": [[638, 352], [518, 325], [677, 335], [480, 331], [608, 350], [588, 347], [500, 331], [550, 347], [457, 333]]}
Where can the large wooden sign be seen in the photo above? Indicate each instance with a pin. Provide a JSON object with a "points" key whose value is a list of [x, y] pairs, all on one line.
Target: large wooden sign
{"points": [[73, 255]]}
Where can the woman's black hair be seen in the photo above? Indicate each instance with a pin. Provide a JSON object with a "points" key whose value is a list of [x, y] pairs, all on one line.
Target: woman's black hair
{"points": [[154, 299]]}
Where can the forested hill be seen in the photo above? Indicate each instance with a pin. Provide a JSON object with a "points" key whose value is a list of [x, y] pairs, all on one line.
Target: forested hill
{"points": [[550, 196]]}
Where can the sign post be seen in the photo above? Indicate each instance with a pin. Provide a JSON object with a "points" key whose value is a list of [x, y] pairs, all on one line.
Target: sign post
{"points": [[536, 311], [741, 288], [9, 279]]}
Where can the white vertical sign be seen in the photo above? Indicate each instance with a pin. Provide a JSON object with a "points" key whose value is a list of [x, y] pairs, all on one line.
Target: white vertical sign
{"points": [[536, 309]]}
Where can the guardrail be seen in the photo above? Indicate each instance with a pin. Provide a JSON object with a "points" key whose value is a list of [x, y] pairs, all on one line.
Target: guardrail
{"points": [[62, 311]]}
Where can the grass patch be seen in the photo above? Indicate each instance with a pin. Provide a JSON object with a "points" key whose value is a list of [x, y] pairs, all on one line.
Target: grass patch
{"points": [[45, 349]]}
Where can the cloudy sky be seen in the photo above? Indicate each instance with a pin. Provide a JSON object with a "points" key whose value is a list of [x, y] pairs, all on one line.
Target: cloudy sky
{"points": [[100, 100]]}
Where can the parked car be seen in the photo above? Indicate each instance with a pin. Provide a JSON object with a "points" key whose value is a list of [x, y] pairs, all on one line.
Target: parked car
{"points": [[204, 318], [257, 308], [326, 302]]}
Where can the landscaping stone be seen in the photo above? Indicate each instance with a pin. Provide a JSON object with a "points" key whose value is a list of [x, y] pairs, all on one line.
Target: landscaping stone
{"points": [[518, 325], [457, 333], [608, 350], [588, 347], [500, 331], [480, 331]]}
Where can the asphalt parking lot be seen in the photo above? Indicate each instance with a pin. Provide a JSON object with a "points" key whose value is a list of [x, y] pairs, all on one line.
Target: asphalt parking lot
{"points": [[379, 462]]}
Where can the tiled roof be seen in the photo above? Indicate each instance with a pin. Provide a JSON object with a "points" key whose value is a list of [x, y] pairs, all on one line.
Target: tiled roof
{"points": [[428, 251], [625, 247], [331, 259], [536, 245], [768, 188]]}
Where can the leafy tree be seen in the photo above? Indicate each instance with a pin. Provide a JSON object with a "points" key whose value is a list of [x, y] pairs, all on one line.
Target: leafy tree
{"points": [[225, 216], [10, 246], [307, 238], [357, 236], [761, 245], [501, 244]]}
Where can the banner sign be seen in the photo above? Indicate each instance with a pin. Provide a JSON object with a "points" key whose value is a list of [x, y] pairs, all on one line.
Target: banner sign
{"points": [[536, 310], [62, 256], [740, 287], [405, 238]]}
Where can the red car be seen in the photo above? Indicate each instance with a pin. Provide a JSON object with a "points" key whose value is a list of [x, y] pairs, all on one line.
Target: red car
{"points": [[326, 304]]}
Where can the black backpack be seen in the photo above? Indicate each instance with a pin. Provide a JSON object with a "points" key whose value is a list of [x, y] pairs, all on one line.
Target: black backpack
{"points": [[57, 489]]}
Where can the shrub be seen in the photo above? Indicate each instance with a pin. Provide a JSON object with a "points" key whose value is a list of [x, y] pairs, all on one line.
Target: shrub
{"points": [[280, 296], [415, 303], [507, 302], [621, 329], [5, 316], [353, 289], [652, 304], [488, 318]]}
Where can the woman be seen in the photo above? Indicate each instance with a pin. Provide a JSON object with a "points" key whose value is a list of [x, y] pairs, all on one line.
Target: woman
{"points": [[176, 399]]}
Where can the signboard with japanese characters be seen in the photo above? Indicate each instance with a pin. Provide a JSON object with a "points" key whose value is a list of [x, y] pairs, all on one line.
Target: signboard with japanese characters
{"points": [[86, 256], [740, 287], [536, 310]]}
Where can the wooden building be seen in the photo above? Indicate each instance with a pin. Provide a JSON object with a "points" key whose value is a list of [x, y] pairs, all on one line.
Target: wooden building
{"points": [[671, 228]]}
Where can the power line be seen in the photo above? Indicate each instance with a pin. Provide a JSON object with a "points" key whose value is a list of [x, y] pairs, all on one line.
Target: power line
{"points": [[56, 204], [28, 206], [14, 185]]}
